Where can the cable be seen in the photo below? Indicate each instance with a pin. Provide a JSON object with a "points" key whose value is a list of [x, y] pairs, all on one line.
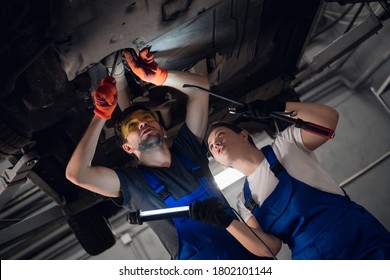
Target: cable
{"points": [[138, 217], [114, 64], [350, 25], [258, 237], [329, 26]]}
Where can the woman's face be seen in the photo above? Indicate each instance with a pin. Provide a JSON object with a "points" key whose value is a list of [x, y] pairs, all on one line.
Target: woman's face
{"points": [[223, 144]]}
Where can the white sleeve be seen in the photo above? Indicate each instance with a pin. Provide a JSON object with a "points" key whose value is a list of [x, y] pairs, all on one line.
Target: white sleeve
{"points": [[242, 210], [302, 163], [293, 134]]}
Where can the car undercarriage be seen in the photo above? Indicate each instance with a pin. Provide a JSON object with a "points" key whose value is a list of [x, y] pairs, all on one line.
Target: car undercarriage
{"points": [[54, 54]]}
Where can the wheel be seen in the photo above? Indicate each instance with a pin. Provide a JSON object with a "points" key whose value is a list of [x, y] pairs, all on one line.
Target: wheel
{"points": [[92, 231]]}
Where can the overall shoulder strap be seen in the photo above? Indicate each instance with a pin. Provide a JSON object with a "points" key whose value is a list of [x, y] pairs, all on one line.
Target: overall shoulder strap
{"points": [[275, 165], [155, 184], [250, 204], [190, 165], [158, 187]]}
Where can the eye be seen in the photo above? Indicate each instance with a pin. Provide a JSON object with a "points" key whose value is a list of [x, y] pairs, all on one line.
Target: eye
{"points": [[132, 124], [211, 146], [219, 134], [148, 117]]}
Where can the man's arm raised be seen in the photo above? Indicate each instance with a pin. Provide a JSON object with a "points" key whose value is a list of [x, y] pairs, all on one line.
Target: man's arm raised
{"points": [[198, 101], [79, 171], [144, 66]]}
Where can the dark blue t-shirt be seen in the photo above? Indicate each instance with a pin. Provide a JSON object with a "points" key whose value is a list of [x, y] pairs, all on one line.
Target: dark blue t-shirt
{"points": [[179, 181]]}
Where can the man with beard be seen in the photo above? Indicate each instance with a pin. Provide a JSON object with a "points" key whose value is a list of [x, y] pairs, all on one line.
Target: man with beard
{"points": [[165, 176]]}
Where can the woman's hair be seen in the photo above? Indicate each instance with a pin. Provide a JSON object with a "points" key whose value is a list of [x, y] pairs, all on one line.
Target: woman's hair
{"points": [[228, 125]]}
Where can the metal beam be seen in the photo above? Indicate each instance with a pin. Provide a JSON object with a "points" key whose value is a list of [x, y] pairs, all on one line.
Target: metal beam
{"points": [[341, 46], [30, 226]]}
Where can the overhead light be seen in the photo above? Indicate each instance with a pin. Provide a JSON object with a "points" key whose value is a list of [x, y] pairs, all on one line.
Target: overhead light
{"points": [[227, 177]]}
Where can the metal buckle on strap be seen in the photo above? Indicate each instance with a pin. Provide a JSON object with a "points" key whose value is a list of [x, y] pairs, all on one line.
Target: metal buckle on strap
{"points": [[250, 204], [277, 168], [164, 193]]}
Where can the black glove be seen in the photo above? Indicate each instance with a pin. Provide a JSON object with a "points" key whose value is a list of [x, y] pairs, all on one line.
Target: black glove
{"points": [[263, 108], [211, 211]]}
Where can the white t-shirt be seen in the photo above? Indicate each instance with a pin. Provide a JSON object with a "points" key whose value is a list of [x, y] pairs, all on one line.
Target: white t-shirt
{"points": [[300, 163]]}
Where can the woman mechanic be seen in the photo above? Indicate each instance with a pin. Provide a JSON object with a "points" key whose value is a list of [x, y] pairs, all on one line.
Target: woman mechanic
{"points": [[287, 195]]}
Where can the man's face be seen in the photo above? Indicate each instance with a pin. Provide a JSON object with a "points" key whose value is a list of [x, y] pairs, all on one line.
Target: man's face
{"points": [[143, 132], [223, 144]]}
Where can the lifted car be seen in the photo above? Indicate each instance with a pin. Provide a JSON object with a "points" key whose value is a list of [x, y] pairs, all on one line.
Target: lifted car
{"points": [[54, 53]]}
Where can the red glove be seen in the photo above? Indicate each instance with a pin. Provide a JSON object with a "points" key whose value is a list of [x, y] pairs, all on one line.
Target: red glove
{"points": [[105, 97], [144, 66]]}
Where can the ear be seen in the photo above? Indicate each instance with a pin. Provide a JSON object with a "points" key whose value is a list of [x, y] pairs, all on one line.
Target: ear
{"points": [[165, 134], [244, 136], [128, 149]]}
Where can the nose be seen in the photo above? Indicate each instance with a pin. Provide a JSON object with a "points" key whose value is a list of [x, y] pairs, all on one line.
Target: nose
{"points": [[216, 145], [142, 124]]}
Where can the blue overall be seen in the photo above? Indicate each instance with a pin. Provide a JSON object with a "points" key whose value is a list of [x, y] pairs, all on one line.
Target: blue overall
{"points": [[316, 224], [199, 241]]}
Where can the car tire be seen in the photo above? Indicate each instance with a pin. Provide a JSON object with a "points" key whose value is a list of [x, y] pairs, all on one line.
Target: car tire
{"points": [[92, 230]]}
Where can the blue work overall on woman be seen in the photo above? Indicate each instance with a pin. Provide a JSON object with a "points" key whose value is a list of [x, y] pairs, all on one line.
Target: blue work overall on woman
{"points": [[317, 224], [199, 241]]}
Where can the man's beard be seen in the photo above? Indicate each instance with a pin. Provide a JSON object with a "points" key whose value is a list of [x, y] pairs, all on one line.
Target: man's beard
{"points": [[150, 143]]}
